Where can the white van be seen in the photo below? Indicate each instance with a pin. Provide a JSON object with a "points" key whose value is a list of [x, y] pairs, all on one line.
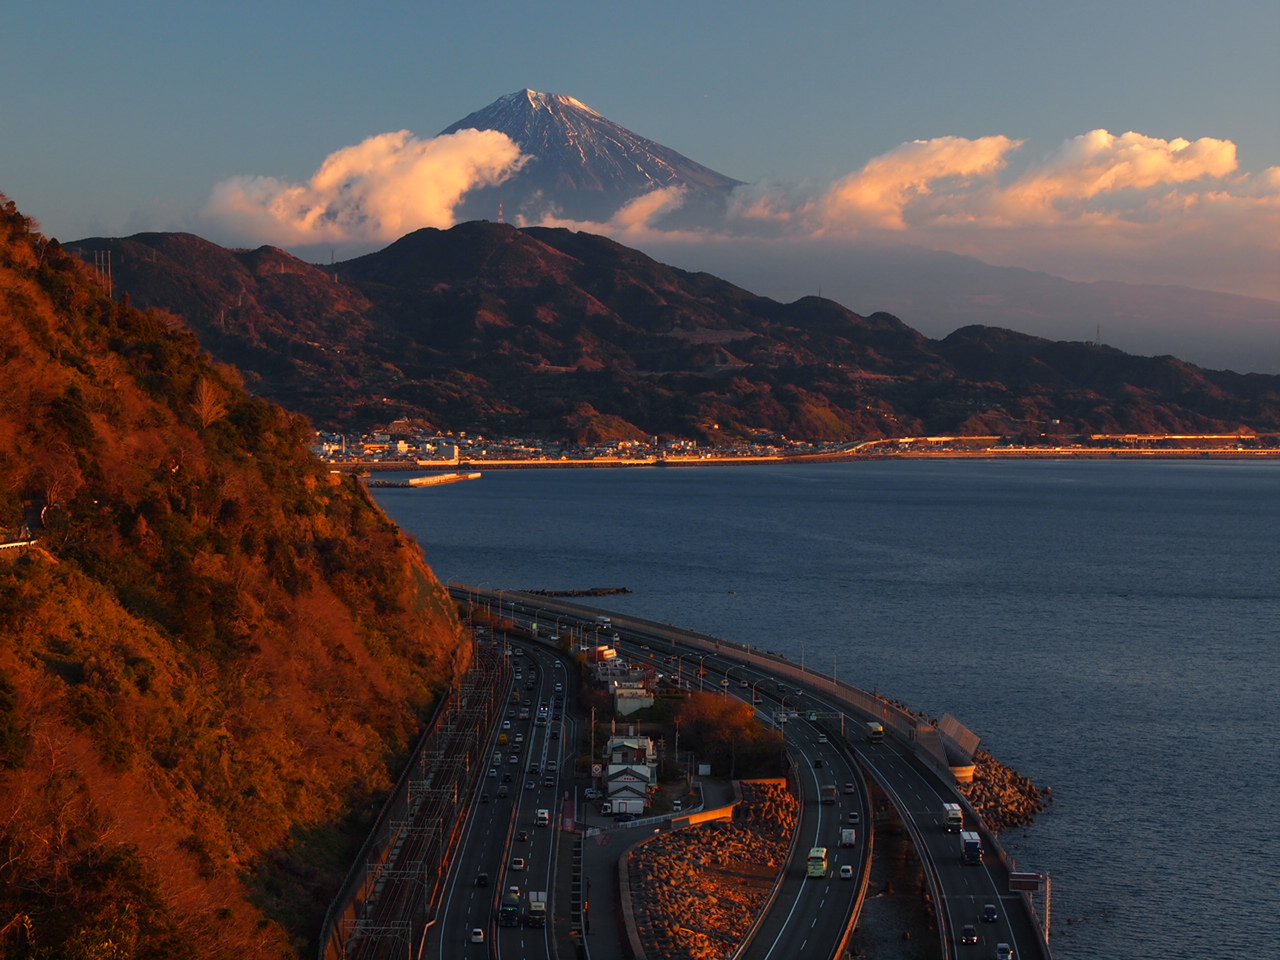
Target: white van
{"points": [[542, 818]]}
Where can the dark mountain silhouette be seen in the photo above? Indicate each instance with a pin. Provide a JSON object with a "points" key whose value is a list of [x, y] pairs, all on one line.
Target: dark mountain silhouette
{"points": [[581, 165], [558, 334]]}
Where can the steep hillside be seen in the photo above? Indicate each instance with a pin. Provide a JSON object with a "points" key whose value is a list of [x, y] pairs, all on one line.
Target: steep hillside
{"points": [[212, 656], [564, 335]]}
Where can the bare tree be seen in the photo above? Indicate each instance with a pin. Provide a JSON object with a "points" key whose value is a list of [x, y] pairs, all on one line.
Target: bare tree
{"points": [[208, 406]]}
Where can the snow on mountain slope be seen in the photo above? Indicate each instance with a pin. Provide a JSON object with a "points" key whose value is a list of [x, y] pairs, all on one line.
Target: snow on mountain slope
{"points": [[583, 166]]}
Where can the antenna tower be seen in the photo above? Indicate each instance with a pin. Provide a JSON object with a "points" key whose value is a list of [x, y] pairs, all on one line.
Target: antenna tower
{"points": [[501, 218], [102, 266]]}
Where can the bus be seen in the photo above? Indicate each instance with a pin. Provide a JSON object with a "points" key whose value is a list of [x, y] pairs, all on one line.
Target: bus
{"points": [[818, 862], [875, 732]]}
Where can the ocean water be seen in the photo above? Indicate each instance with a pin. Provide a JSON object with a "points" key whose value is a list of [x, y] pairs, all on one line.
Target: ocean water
{"points": [[1109, 629]]}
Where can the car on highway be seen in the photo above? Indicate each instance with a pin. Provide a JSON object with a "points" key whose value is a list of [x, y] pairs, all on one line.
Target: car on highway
{"points": [[548, 781], [484, 798], [989, 913], [493, 771], [968, 933], [819, 763], [846, 871], [506, 724], [1004, 951], [477, 935], [552, 766], [522, 836], [482, 879], [850, 788], [517, 863], [530, 785], [854, 817]]}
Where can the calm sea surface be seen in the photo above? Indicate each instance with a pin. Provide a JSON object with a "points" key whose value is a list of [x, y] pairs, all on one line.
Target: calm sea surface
{"points": [[1108, 629]]}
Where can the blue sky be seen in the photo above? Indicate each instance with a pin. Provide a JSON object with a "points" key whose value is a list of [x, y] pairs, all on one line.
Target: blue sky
{"points": [[124, 117]]}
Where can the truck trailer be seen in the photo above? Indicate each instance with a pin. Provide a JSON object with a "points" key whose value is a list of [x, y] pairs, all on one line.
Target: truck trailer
{"points": [[970, 847], [848, 837]]}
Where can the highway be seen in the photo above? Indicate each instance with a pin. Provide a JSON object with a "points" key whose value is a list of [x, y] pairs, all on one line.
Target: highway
{"points": [[503, 847], [817, 912]]}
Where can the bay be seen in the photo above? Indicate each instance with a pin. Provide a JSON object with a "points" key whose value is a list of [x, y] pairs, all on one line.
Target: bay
{"points": [[1108, 628]]}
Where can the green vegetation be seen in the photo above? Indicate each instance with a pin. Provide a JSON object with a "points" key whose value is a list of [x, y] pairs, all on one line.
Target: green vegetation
{"points": [[213, 660]]}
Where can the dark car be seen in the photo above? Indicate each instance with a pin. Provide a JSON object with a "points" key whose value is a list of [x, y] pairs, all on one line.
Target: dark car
{"points": [[482, 879], [989, 913], [624, 818], [968, 933], [819, 763], [522, 836]]}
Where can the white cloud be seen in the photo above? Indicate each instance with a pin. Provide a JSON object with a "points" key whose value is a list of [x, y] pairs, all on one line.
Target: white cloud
{"points": [[884, 191], [377, 190]]}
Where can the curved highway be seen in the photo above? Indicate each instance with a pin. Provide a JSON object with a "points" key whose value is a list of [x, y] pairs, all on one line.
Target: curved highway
{"points": [[815, 913]]}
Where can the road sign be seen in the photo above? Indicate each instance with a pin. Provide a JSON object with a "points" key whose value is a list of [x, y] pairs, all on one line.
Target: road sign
{"points": [[1026, 881], [596, 769]]}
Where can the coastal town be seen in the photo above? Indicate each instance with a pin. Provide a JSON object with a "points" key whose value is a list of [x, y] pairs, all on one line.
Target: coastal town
{"points": [[401, 447]]}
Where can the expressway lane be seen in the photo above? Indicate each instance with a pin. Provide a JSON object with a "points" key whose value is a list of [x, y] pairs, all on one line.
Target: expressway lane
{"points": [[501, 830]]}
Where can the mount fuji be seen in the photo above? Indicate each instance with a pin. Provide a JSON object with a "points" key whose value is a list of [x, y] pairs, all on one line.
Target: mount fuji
{"points": [[582, 166]]}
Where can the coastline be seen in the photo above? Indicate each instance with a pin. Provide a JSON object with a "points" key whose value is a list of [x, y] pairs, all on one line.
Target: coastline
{"points": [[911, 452]]}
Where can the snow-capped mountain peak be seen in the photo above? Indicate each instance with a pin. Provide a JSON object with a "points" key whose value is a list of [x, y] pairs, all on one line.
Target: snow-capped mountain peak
{"points": [[583, 166]]}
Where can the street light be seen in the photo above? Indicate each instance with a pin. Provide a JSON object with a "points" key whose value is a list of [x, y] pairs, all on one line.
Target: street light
{"points": [[754, 697], [701, 670]]}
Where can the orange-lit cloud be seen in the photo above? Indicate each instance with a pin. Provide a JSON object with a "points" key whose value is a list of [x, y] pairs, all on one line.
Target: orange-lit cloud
{"points": [[377, 190], [921, 173]]}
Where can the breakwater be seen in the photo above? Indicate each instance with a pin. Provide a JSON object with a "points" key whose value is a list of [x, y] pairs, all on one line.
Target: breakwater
{"points": [[1003, 797], [429, 480]]}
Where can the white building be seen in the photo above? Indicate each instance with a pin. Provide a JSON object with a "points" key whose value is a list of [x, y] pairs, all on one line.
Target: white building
{"points": [[631, 773]]}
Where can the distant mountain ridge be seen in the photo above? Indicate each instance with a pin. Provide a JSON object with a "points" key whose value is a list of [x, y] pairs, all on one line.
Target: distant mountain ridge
{"points": [[565, 335], [582, 165]]}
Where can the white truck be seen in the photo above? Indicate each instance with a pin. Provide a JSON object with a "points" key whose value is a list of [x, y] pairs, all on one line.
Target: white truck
{"points": [[848, 837], [952, 817], [536, 911]]}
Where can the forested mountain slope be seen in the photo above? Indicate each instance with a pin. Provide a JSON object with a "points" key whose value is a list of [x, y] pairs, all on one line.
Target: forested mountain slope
{"points": [[214, 655]]}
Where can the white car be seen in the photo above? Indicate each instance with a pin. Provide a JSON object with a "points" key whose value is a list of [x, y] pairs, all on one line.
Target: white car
{"points": [[477, 935], [517, 863], [846, 871], [1004, 951]]}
